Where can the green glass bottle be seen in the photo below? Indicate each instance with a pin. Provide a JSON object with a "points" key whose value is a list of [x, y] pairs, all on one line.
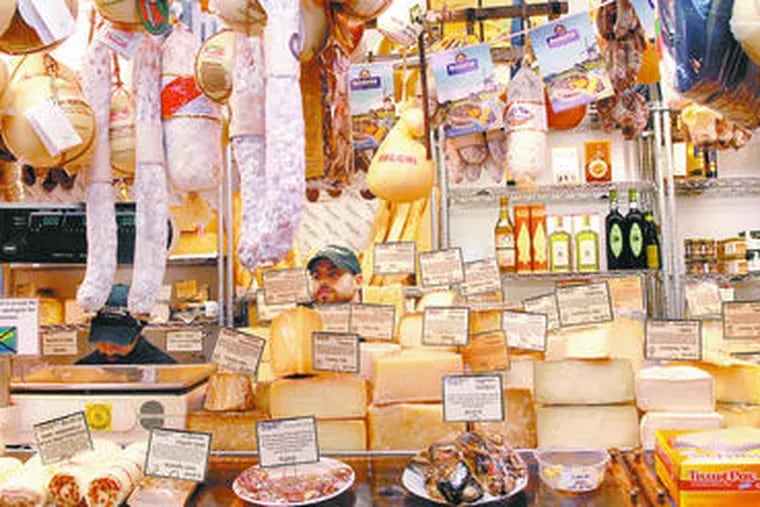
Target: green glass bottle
{"points": [[587, 247], [560, 258], [613, 227], [634, 233]]}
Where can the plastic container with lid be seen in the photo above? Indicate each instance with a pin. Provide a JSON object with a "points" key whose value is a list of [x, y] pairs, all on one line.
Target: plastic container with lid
{"points": [[572, 470]]}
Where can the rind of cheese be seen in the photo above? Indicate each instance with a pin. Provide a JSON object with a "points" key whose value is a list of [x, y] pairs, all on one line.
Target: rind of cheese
{"points": [[342, 435], [290, 341], [674, 389], [577, 382], [653, 421], [592, 427], [739, 414], [229, 391], [230, 431], [519, 425], [437, 298], [409, 333], [412, 376], [407, 426], [324, 397], [368, 351]]}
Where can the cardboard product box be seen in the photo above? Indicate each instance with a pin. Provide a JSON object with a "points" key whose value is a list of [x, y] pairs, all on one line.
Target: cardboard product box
{"points": [[523, 243], [539, 238]]}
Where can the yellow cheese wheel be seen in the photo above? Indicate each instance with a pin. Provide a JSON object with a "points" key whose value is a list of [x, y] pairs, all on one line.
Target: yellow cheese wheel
{"points": [[245, 16], [121, 133], [290, 341], [20, 38], [121, 13], [214, 66], [745, 25]]}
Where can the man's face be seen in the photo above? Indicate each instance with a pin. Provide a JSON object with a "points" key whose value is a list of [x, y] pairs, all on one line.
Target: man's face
{"points": [[331, 284], [113, 351]]}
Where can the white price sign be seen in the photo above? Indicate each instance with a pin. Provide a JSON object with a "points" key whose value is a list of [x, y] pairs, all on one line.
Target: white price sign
{"points": [[284, 442], [238, 352], [63, 437], [177, 454], [473, 398]]}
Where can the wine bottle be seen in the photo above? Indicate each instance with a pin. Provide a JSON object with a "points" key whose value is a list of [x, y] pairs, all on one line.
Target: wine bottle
{"points": [[652, 242], [504, 239], [634, 233], [613, 226], [559, 247]]}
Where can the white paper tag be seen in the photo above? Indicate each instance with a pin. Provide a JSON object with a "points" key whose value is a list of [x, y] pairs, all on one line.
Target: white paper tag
{"points": [[238, 352], [441, 268], [481, 277], [336, 318], [267, 313], [50, 19], [373, 321], [673, 340], [53, 127], [741, 320], [394, 258], [473, 398], [584, 304], [487, 352], [177, 454], [337, 352], [63, 437], [63, 343], [19, 326], [287, 441], [446, 326], [546, 304], [123, 42], [282, 286], [184, 341], [525, 330]]}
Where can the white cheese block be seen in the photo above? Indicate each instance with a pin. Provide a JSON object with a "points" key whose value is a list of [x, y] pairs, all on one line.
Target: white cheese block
{"points": [[520, 373], [437, 298], [408, 426], [370, 350], [324, 397], [739, 414], [588, 342], [409, 333], [737, 382], [588, 426], [412, 375], [674, 389], [578, 382], [653, 421]]}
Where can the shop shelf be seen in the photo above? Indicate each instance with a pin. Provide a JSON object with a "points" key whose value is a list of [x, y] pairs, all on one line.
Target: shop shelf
{"points": [[718, 186], [557, 277], [546, 193], [169, 326], [751, 277], [178, 260]]}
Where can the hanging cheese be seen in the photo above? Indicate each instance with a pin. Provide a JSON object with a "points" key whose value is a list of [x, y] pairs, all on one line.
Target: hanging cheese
{"points": [[214, 64], [400, 171], [408, 426], [121, 133], [324, 397], [245, 16], [19, 37], [122, 13], [229, 391], [745, 25], [412, 375], [290, 341]]}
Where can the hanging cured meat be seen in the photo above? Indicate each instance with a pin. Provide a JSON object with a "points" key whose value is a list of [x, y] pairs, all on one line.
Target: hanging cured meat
{"points": [[525, 126]]}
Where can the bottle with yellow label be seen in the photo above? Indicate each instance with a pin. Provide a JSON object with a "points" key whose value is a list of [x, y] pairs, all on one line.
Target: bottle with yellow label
{"points": [[538, 237], [587, 247], [523, 244], [652, 242], [560, 258], [504, 239]]}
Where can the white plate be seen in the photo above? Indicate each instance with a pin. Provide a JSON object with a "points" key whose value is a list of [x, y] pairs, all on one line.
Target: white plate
{"points": [[415, 484], [322, 465]]}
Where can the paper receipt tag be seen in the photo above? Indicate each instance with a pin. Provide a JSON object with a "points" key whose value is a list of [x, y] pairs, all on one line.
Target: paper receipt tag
{"points": [[373, 321], [19, 326], [473, 398], [441, 268], [335, 318], [446, 325], [53, 127], [546, 304], [238, 352], [394, 258], [63, 437], [50, 19], [741, 320], [62, 343], [525, 330], [178, 454], [283, 442], [285, 286], [267, 313], [486, 352], [123, 42], [481, 277], [673, 340], [338, 352], [184, 341], [584, 304], [626, 292]]}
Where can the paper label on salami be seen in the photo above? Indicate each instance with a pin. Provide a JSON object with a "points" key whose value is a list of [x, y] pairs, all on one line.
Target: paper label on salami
{"points": [[673, 340], [181, 96], [741, 320], [525, 330], [584, 304], [448, 326], [546, 304], [283, 442], [481, 277], [267, 313], [53, 127], [335, 318], [178, 454], [184, 341], [63, 437], [338, 352], [626, 292], [283, 286], [394, 258], [373, 321], [441, 268], [473, 398], [121, 41], [63, 343], [487, 352], [238, 352]]}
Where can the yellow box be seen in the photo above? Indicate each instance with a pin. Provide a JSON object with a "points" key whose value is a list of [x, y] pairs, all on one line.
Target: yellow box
{"points": [[702, 478]]}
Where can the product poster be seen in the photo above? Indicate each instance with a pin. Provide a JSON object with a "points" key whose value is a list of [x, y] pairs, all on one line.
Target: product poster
{"points": [[373, 110]]}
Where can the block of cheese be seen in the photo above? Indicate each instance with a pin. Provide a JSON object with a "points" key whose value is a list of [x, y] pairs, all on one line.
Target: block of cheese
{"points": [[735, 383], [483, 320], [588, 342], [437, 298], [324, 397], [407, 426], [409, 332], [413, 375], [290, 341], [739, 414], [674, 389], [519, 425], [370, 350], [230, 431], [577, 382], [229, 391], [653, 421], [587, 426], [264, 377], [342, 435], [731, 440], [387, 295], [520, 373]]}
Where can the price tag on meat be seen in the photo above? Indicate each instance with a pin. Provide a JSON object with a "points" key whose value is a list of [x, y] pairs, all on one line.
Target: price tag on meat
{"points": [[184, 341], [285, 286], [674, 340], [741, 320], [373, 321], [63, 437], [177, 454], [584, 304], [238, 352], [441, 268], [337, 352], [335, 318], [63, 343], [487, 352], [473, 398], [394, 258], [287, 441], [546, 304], [481, 277], [525, 330], [446, 326], [123, 42]]}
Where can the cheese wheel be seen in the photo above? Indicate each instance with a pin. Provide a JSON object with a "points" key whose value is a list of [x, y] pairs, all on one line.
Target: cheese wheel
{"points": [[214, 64], [290, 341], [121, 133], [245, 16], [317, 29], [121, 13], [745, 25], [364, 10], [19, 38]]}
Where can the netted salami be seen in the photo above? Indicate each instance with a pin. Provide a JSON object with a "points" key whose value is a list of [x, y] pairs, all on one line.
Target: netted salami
{"points": [[525, 125]]}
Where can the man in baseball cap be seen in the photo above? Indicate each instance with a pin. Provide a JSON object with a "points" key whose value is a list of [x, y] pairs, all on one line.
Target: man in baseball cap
{"points": [[336, 275]]}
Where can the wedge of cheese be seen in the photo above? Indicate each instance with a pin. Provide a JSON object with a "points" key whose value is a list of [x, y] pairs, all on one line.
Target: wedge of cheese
{"points": [[519, 425], [324, 397], [229, 391], [290, 341], [653, 421], [413, 375], [408, 426], [368, 351], [342, 435], [734, 383], [230, 431], [739, 414], [437, 298], [409, 332], [577, 382], [674, 389], [588, 426]]}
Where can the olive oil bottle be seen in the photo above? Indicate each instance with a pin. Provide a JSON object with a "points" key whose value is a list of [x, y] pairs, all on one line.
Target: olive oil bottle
{"points": [[652, 242], [634, 233], [587, 247], [504, 239], [560, 257], [614, 225]]}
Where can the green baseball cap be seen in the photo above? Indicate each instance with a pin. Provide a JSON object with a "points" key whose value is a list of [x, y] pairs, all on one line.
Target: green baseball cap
{"points": [[342, 257], [113, 323]]}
